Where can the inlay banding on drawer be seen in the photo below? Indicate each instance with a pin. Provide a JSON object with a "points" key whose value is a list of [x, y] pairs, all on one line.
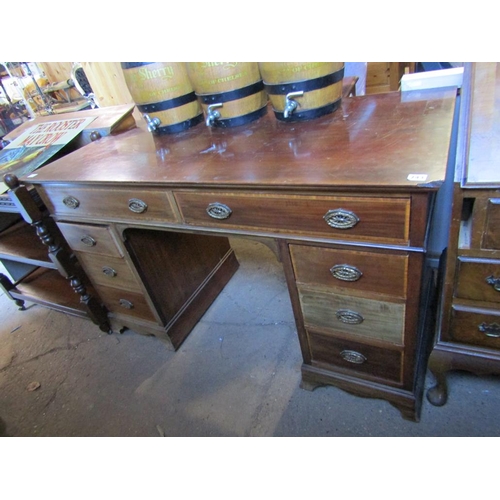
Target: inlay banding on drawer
{"points": [[354, 356], [366, 318], [89, 238], [356, 271], [126, 302], [355, 218], [109, 271], [112, 202]]}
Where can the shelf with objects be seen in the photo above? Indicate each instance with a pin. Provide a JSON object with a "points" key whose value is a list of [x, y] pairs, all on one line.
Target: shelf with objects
{"points": [[28, 84]]}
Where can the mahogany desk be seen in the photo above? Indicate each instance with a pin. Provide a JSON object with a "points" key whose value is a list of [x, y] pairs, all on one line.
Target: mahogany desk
{"points": [[344, 200]]}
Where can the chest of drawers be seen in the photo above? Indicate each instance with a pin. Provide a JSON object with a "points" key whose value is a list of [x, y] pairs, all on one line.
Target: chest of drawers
{"points": [[336, 196], [468, 334]]}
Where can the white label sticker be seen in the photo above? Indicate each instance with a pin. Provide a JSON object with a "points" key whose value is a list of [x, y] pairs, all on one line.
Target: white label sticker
{"points": [[417, 177]]}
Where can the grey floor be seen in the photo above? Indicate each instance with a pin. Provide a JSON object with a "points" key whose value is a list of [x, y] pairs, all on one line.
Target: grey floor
{"points": [[237, 374]]}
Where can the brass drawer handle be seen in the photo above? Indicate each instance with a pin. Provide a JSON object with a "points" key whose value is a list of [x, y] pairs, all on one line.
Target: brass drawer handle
{"points": [[349, 317], [345, 272], [341, 219], [353, 357], [71, 202], [126, 304], [137, 206], [490, 330], [88, 240], [494, 282], [109, 271], [219, 211]]}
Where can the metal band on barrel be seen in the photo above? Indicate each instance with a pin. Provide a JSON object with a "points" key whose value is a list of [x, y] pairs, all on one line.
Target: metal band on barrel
{"points": [[131, 65], [232, 95], [179, 127], [156, 107], [240, 120], [305, 85], [308, 114]]}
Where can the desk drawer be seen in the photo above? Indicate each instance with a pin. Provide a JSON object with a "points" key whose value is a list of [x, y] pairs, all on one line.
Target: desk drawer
{"points": [[361, 218], [366, 318], [126, 303], [373, 272], [109, 271], [108, 202], [91, 239], [353, 356], [476, 326], [478, 279]]}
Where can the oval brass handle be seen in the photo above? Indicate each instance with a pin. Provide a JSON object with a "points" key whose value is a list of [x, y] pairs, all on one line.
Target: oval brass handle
{"points": [[88, 240], [353, 357], [109, 271], [490, 330], [494, 282], [219, 211], [341, 219], [345, 272], [126, 304], [137, 206], [349, 317], [71, 202]]}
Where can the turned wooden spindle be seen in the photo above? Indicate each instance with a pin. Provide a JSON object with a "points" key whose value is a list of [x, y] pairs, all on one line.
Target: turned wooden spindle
{"points": [[65, 263]]}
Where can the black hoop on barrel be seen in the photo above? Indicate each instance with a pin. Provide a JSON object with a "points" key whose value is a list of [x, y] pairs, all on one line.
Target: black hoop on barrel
{"points": [[305, 85]]}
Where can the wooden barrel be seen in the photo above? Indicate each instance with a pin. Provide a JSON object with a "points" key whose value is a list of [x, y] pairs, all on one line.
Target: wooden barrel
{"points": [[163, 92], [303, 90], [230, 93]]}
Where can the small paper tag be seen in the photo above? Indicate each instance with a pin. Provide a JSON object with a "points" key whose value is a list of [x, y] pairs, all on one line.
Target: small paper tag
{"points": [[417, 177]]}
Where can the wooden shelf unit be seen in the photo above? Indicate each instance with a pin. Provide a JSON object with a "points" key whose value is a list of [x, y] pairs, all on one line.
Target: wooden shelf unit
{"points": [[36, 271]]}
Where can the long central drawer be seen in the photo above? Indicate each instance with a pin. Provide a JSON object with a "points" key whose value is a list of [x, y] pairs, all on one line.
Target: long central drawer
{"points": [[343, 217]]}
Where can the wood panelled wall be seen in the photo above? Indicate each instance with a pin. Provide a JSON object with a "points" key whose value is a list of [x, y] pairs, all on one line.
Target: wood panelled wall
{"points": [[106, 79]]}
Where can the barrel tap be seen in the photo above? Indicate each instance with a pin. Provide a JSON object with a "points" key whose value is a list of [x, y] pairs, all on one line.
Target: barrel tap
{"points": [[290, 104], [212, 113]]}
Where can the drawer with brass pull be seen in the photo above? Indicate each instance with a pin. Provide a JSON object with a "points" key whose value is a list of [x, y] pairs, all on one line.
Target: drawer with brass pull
{"points": [[480, 327], [89, 238], [111, 202], [109, 271], [364, 318], [353, 356], [126, 303], [478, 279], [353, 270], [339, 217]]}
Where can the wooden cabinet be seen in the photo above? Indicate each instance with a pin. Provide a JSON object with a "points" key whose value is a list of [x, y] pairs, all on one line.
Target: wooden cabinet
{"points": [[346, 199], [468, 334]]}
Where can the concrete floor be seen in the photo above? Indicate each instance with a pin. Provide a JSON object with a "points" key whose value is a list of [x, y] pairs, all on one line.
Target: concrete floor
{"points": [[237, 374]]}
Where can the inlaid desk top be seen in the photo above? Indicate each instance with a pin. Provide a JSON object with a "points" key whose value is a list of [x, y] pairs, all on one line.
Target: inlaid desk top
{"points": [[389, 140]]}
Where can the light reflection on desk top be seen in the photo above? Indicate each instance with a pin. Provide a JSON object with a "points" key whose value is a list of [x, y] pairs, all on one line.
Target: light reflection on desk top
{"points": [[370, 141]]}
